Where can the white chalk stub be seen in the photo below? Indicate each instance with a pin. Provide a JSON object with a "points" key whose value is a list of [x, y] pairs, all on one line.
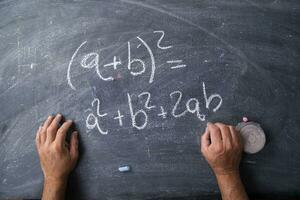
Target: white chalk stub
{"points": [[253, 136], [124, 168]]}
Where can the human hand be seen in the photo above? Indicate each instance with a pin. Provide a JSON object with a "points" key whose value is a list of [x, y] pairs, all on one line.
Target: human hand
{"points": [[222, 147], [57, 158]]}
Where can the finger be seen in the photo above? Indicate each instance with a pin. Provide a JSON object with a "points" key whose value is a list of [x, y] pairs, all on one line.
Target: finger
{"points": [[226, 135], [44, 128], [47, 122], [215, 134], [52, 129], [74, 146], [236, 137], [62, 133], [205, 139], [37, 137]]}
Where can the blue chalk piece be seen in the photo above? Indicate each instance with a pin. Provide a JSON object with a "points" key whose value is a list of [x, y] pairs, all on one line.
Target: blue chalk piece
{"points": [[124, 168]]}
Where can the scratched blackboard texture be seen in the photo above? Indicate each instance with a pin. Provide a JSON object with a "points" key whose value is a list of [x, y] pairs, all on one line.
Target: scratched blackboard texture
{"points": [[245, 51]]}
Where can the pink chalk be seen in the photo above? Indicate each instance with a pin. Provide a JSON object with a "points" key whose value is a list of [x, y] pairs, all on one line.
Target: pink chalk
{"points": [[119, 76], [245, 119]]}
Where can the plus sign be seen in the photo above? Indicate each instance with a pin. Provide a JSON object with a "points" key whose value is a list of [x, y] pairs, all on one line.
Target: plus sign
{"points": [[114, 63], [119, 117], [163, 113]]}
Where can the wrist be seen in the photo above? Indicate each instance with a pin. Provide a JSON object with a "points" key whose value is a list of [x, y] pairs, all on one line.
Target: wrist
{"points": [[230, 176], [56, 182], [54, 188], [226, 173]]}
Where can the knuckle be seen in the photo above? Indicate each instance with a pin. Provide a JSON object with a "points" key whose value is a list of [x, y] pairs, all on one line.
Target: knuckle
{"points": [[59, 131], [237, 146], [220, 124], [214, 129], [50, 129], [57, 148], [218, 148]]}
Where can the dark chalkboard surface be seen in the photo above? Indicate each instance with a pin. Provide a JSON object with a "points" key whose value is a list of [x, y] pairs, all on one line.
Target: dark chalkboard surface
{"points": [[141, 79]]}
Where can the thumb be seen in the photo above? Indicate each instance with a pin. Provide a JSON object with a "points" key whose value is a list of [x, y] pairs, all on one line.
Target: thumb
{"points": [[74, 146], [205, 139]]}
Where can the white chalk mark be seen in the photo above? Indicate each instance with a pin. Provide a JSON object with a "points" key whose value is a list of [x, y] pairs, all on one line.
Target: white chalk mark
{"points": [[178, 66], [98, 107], [148, 152], [176, 105], [147, 106], [250, 161], [94, 63], [115, 63], [87, 110], [196, 108], [162, 113], [96, 121], [125, 168], [18, 33], [120, 118], [175, 62], [211, 97], [134, 115], [153, 68], [133, 61], [95, 124], [70, 63], [160, 39], [32, 65]]}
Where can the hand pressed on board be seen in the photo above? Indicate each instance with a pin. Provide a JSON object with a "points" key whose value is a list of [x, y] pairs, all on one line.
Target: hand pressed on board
{"points": [[222, 147], [57, 158]]}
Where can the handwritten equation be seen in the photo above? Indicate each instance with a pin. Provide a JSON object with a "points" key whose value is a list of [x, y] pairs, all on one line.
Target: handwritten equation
{"points": [[91, 61], [192, 106], [139, 115]]}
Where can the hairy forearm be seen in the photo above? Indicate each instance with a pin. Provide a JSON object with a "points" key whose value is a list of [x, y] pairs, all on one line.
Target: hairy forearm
{"points": [[231, 187], [54, 189]]}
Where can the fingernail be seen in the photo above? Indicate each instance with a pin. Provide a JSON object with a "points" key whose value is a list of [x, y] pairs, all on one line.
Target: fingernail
{"points": [[207, 124], [70, 121], [58, 115]]}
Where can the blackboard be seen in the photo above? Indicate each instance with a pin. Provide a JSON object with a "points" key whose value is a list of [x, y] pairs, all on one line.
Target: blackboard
{"points": [[168, 67]]}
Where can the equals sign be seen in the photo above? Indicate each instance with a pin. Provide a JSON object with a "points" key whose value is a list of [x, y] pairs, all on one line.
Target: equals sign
{"points": [[176, 62]]}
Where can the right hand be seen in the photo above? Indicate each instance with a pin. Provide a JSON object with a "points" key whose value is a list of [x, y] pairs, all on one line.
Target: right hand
{"points": [[57, 157], [222, 147]]}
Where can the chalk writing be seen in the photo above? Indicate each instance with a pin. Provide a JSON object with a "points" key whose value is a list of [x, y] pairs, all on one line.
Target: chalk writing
{"points": [[175, 62], [160, 39], [136, 66], [91, 117], [141, 108], [139, 114]]}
